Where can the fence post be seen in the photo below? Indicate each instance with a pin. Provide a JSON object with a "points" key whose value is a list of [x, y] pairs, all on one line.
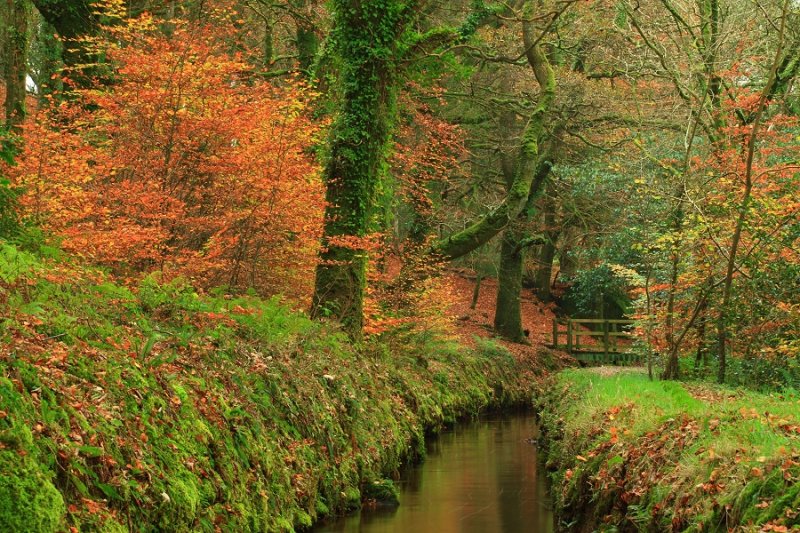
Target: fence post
{"points": [[555, 334], [569, 335], [605, 338]]}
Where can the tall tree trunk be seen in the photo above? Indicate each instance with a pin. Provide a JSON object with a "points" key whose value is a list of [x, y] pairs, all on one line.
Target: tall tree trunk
{"points": [[268, 42], [567, 265], [508, 312], [367, 38], [15, 66], [543, 277], [672, 367], [543, 269], [516, 240]]}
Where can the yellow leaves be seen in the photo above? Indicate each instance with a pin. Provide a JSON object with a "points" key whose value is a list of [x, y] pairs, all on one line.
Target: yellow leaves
{"points": [[748, 413]]}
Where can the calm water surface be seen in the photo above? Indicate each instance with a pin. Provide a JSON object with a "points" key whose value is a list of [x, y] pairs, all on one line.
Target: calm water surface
{"points": [[480, 477]]}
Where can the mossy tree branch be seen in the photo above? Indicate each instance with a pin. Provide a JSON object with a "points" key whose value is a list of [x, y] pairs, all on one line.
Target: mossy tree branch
{"points": [[525, 179]]}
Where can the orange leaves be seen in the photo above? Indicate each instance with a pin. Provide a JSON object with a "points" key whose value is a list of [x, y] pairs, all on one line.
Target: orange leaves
{"points": [[428, 150], [186, 164], [351, 242]]}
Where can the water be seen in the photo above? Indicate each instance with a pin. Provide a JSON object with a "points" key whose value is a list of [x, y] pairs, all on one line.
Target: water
{"points": [[479, 477]]}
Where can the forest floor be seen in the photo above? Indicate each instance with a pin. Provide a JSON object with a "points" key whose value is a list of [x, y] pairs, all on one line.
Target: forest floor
{"points": [[537, 320]]}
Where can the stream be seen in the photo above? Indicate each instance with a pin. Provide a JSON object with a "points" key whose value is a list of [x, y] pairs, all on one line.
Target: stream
{"points": [[479, 477]]}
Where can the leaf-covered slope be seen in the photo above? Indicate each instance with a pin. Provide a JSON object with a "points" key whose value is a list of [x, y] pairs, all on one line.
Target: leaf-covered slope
{"points": [[163, 410], [665, 456]]}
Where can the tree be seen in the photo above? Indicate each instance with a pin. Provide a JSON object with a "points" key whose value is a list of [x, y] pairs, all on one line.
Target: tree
{"points": [[187, 165], [369, 40], [14, 20], [75, 21]]}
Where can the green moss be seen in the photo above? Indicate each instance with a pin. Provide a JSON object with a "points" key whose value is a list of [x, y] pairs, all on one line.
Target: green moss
{"points": [[29, 503], [321, 508], [352, 498], [381, 492], [182, 423]]}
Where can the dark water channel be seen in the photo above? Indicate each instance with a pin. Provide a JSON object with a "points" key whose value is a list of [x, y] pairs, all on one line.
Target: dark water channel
{"points": [[479, 477]]}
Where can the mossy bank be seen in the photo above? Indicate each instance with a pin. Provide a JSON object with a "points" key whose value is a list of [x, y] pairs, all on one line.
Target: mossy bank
{"points": [[629, 454], [157, 409]]}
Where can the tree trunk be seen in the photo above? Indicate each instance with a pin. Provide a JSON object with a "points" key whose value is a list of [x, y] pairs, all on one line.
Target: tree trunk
{"points": [[476, 292], [702, 352], [508, 309], [367, 38], [508, 314], [567, 265], [15, 66], [672, 366], [268, 42], [543, 272]]}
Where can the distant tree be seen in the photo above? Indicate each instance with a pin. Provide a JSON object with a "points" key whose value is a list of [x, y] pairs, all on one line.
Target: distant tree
{"points": [[14, 16]]}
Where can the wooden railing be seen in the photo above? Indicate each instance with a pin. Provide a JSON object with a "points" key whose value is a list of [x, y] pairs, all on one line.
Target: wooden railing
{"points": [[607, 332]]}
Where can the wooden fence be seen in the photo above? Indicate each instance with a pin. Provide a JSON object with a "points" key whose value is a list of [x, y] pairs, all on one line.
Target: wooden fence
{"points": [[603, 344]]}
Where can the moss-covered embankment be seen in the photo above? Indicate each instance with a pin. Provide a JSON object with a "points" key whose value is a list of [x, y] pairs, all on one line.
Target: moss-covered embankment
{"points": [[161, 410], [634, 455]]}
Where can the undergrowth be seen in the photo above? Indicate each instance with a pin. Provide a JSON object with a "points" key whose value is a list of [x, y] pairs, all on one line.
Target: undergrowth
{"points": [[160, 409], [629, 454]]}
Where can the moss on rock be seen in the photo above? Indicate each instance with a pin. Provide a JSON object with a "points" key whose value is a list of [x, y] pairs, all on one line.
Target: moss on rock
{"points": [[381, 492]]}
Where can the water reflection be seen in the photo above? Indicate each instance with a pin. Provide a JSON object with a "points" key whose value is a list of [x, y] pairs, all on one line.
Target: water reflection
{"points": [[478, 478]]}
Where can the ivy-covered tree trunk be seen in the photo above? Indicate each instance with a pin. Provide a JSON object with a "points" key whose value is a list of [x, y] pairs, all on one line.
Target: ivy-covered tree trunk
{"points": [[15, 46], [367, 38]]}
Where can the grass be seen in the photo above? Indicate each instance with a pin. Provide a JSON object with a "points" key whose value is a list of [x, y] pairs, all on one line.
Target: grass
{"points": [[642, 455], [156, 408]]}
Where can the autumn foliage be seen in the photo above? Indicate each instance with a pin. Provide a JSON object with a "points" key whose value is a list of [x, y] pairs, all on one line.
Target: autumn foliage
{"points": [[187, 163]]}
